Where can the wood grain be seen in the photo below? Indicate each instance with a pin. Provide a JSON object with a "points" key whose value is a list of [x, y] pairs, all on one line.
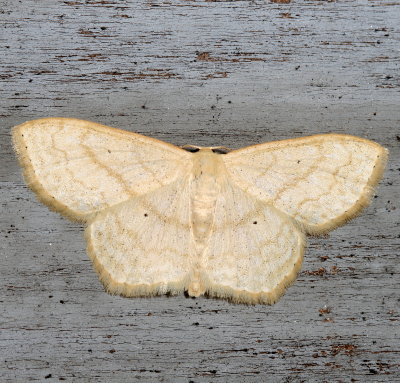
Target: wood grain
{"points": [[206, 73]]}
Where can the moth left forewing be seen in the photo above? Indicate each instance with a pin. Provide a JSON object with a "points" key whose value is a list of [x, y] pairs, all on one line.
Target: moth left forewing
{"points": [[321, 181], [79, 167]]}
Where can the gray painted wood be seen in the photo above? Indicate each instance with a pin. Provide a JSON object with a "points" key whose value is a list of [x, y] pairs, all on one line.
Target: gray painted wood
{"points": [[208, 73]]}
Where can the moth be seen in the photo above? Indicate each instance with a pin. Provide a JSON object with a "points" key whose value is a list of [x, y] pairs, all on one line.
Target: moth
{"points": [[162, 219]]}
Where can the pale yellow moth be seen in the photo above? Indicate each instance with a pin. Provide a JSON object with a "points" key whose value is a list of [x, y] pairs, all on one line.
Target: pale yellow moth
{"points": [[206, 220]]}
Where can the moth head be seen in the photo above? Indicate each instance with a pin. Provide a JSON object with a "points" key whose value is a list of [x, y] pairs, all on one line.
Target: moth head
{"points": [[214, 149]]}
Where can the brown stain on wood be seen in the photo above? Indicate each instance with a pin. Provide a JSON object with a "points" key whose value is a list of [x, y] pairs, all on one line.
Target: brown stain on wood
{"points": [[206, 56], [319, 272], [286, 15]]}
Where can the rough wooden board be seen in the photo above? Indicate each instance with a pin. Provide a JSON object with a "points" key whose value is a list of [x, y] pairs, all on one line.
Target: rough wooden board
{"points": [[208, 73]]}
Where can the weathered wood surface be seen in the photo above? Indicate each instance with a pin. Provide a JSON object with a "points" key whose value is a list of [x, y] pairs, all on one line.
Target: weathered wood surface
{"points": [[231, 73]]}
